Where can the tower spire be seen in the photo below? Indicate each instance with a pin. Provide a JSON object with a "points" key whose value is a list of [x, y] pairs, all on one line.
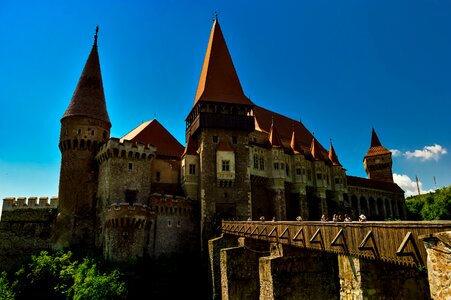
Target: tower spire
{"points": [[88, 99], [218, 80], [96, 35], [333, 156]]}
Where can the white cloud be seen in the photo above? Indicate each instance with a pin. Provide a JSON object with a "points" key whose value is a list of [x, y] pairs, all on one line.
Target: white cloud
{"points": [[395, 152], [427, 153], [408, 185]]}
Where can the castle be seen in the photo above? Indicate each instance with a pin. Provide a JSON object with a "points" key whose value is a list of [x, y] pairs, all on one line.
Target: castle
{"points": [[145, 194]]}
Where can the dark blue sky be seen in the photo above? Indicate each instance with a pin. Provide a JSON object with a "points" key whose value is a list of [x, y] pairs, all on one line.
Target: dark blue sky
{"points": [[342, 67]]}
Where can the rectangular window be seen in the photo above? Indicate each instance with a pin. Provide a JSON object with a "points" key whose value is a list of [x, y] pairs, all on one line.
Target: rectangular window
{"points": [[130, 166], [226, 165], [215, 139], [192, 169], [255, 162], [298, 171], [282, 166], [262, 163], [276, 166], [131, 196]]}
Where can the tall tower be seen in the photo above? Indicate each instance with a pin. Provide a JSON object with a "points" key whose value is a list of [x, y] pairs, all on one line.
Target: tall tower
{"points": [[84, 127], [219, 123], [378, 161]]}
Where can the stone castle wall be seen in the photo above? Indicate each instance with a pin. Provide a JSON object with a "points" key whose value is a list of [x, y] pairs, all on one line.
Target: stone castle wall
{"points": [[26, 227]]}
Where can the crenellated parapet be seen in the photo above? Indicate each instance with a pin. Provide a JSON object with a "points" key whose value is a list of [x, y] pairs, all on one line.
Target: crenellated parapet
{"points": [[171, 205], [118, 148], [12, 203], [126, 215]]}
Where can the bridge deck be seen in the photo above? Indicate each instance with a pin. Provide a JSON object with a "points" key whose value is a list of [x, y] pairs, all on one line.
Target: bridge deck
{"points": [[394, 242]]}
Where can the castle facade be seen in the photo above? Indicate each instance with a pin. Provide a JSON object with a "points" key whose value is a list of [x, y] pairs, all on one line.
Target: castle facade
{"points": [[145, 194]]}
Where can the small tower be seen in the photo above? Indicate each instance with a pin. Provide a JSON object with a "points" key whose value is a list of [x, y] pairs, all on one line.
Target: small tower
{"points": [[221, 115], [378, 161], [84, 127]]}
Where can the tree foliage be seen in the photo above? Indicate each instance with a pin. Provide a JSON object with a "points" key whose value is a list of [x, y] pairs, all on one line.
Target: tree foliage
{"points": [[61, 276], [6, 291], [431, 206]]}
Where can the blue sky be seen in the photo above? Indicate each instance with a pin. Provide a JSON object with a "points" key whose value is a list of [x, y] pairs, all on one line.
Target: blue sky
{"points": [[342, 67]]}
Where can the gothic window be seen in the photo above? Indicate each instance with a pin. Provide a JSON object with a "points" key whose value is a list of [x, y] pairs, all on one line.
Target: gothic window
{"points": [[169, 223], [255, 161], [262, 163], [298, 171], [131, 196], [276, 166], [192, 169], [226, 165]]}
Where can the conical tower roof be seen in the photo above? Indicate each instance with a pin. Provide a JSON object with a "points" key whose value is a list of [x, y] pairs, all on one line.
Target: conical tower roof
{"points": [[88, 99], [333, 156], [274, 138], [315, 150], [376, 147], [294, 144], [218, 80]]}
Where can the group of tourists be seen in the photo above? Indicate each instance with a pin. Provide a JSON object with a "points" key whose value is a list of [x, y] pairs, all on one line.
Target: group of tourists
{"points": [[340, 218]]}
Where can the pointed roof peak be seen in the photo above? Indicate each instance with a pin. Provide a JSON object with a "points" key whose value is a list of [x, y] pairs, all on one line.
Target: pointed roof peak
{"points": [[376, 147], [88, 99], [315, 150], [96, 35], [294, 143], [218, 80], [191, 147], [274, 137], [374, 139], [333, 156]]}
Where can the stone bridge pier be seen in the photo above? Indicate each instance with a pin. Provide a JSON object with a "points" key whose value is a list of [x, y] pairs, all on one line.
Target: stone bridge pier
{"points": [[244, 268]]}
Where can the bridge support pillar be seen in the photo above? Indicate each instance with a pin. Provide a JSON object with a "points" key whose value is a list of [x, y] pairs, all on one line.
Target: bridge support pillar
{"points": [[239, 269], [304, 275], [438, 248], [370, 279], [214, 247]]}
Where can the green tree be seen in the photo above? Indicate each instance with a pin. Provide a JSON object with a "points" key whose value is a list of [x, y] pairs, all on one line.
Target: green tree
{"points": [[6, 291], [431, 206]]}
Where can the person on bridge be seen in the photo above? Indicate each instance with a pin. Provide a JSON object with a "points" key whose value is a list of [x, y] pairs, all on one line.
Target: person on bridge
{"points": [[347, 218], [324, 218], [362, 218]]}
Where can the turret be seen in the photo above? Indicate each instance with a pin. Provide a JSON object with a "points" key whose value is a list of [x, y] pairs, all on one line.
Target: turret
{"points": [[378, 161], [84, 127], [221, 118]]}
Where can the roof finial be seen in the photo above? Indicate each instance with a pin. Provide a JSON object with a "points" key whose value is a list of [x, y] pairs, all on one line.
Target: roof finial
{"points": [[95, 36], [330, 139], [215, 16]]}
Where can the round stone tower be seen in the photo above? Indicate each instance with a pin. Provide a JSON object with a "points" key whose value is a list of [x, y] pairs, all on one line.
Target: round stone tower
{"points": [[84, 127]]}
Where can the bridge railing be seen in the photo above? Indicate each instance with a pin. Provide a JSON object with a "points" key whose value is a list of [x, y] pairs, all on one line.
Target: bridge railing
{"points": [[394, 242]]}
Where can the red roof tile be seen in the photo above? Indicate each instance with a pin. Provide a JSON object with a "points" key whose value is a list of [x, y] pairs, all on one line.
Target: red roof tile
{"points": [[191, 147], [285, 127], [376, 147], [374, 184], [224, 146], [152, 132], [218, 80], [88, 99]]}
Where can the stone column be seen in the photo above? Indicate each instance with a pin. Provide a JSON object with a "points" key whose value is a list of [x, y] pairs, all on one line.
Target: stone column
{"points": [[299, 275], [438, 248], [239, 270], [214, 247], [372, 280]]}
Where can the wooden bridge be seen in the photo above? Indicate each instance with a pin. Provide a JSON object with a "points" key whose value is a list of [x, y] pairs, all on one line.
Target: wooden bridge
{"points": [[394, 242]]}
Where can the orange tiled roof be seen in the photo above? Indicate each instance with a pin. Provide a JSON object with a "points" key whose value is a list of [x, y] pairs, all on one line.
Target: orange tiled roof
{"points": [[285, 127], [88, 99], [218, 80], [224, 146], [333, 156], [152, 132], [191, 147], [374, 184], [376, 147]]}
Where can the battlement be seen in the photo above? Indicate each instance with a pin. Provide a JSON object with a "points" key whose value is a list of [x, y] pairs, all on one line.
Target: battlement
{"points": [[169, 204], [11, 203], [115, 147], [126, 215]]}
